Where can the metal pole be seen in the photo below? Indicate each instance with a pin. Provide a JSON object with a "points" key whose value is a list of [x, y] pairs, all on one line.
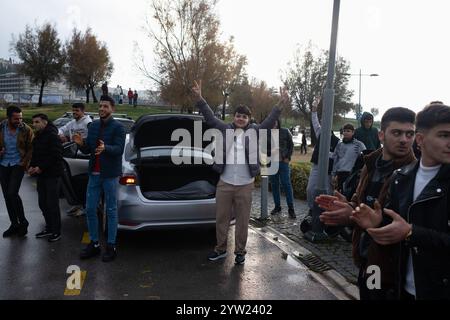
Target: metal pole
{"points": [[225, 96], [359, 106], [264, 193], [317, 233]]}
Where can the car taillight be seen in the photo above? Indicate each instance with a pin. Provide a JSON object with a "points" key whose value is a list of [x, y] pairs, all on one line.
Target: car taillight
{"points": [[128, 180]]}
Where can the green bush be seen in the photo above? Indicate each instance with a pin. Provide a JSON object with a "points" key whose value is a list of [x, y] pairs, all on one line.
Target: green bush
{"points": [[299, 179]]}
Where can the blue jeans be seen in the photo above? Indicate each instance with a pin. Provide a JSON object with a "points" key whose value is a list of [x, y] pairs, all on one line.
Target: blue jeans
{"points": [[95, 186], [283, 175]]}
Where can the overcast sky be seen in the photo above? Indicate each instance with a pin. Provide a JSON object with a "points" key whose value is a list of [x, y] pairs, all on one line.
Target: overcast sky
{"points": [[406, 42]]}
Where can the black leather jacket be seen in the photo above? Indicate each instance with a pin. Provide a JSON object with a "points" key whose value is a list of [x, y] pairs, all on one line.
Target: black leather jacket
{"points": [[429, 243]]}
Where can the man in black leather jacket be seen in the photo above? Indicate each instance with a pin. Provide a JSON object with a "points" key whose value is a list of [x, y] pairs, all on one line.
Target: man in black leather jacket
{"points": [[418, 218]]}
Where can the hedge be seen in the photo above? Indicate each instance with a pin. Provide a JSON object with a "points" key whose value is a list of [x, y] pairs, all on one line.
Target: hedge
{"points": [[299, 179]]}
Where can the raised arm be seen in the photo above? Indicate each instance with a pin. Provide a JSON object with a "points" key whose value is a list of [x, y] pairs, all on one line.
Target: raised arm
{"points": [[204, 108]]}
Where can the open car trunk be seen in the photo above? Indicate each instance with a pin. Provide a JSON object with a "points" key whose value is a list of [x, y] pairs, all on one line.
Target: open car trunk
{"points": [[159, 178], [172, 182]]}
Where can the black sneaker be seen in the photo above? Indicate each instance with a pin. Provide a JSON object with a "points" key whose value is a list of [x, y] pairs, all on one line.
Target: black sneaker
{"points": [[276, 210], [43, 234], [54, 237], [91, 250], [213, 256], [291, 212], [23, 229], [12, 230], [110, 253], [240, 259]]}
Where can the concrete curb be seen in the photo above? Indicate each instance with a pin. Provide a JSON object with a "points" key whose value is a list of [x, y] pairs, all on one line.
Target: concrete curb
{"points": [[330, 278]]}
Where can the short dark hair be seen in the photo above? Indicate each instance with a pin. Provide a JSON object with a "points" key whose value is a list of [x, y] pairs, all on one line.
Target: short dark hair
{"points": [[108, 98], [243, 110], [40, 115], [79, 105], [399, 114], [12, 109], [348, 126], [433, 115]]}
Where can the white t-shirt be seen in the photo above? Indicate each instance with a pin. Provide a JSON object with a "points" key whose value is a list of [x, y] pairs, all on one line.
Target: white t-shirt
{"points": [[423, 177], [74, 126], [236, 170]]}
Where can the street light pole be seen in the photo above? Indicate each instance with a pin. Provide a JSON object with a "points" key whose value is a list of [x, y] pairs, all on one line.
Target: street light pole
{"points": [[225, 96], [317, 231], [360, 75]]}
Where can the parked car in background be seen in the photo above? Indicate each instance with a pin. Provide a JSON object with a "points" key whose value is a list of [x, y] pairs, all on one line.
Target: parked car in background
{"points": [[153, 191]]}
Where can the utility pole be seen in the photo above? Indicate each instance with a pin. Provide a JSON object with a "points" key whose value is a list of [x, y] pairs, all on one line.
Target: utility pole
{"points": [[317, 232]]}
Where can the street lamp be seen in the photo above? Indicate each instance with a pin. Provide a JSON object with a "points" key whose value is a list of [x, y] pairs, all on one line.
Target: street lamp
{"points": [[359, 110], [225, 96]]}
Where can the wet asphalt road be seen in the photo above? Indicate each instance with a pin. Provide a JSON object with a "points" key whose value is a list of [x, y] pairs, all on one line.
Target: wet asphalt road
{"points": [[152, 265]]}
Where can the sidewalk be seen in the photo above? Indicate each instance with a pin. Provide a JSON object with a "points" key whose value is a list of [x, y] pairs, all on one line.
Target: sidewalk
{"points": [[336, 254]]}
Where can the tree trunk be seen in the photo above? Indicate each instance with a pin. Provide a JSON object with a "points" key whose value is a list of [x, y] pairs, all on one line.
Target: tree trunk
{"points": [[41, 93], [87, 95], [94, 98]]}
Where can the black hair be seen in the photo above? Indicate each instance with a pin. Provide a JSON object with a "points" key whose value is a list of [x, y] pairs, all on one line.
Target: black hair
{"points": [[79, 105], [40, 115], [108, 98], [243, 110], [433, 115], [399, 114], [12, 109], [348, 126]]}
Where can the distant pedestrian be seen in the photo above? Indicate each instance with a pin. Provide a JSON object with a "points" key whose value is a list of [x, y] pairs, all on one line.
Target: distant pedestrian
{"points": [[15, 155], [367, 134], [105, 88], [121, 95], [130, 96], [47, 165], [116, 94], [303, 146], [135, 98]]}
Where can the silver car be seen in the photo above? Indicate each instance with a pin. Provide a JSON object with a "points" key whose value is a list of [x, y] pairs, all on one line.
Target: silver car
{"points": [[153, 191]]}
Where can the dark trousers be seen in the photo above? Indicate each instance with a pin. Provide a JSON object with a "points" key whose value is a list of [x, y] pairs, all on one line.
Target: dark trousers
{"points": [[11, 179], [47, 188], [303, 148], [341, 177]]}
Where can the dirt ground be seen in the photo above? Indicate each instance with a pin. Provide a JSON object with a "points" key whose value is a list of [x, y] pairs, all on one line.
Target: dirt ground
{"points": [[297, 157]]}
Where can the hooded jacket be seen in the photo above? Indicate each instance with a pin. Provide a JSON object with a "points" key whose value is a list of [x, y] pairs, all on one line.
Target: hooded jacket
{"points": [[368, 136]]}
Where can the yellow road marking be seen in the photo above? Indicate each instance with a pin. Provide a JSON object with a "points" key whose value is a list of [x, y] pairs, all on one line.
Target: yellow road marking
{"points": [[86, 239], [76, 292]]}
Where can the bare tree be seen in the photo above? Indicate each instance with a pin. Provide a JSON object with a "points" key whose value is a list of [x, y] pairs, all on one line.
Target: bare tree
{"points": [[185, 34]]}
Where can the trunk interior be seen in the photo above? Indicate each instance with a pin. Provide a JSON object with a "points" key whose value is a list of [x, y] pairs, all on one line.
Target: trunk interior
{"points": [[172, 182]]}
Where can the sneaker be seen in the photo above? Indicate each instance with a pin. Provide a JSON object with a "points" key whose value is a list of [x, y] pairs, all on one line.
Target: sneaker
{"points": [[213, 256], [91, 250], [240, 259], [54, 237], [43, 234], [72, 210], [291, 212], [12, 230], [276, 210], [23, 229], [110, 253], [79, 213]]}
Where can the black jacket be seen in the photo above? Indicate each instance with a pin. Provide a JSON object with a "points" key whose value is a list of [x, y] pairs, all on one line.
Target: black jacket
{"points": [[430, 239], [47, 152]]}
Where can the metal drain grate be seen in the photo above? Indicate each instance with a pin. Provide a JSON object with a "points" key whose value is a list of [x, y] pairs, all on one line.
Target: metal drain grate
{"points": [[314, 263]]}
